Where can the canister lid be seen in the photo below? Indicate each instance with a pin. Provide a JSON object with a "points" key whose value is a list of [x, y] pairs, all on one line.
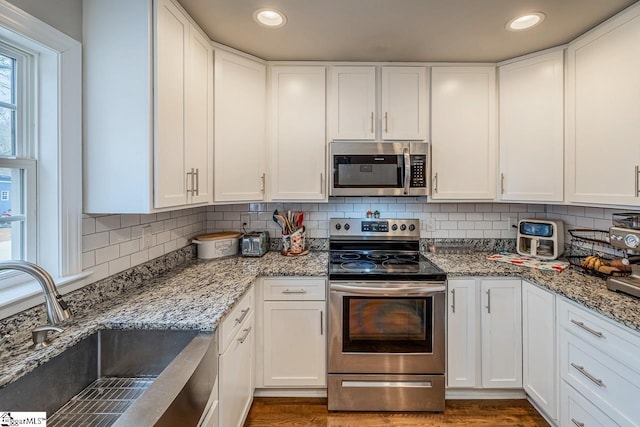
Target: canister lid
{"points": [[218, 236]]}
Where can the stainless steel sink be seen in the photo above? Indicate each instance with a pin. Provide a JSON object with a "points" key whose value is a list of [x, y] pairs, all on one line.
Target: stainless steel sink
{"points": [[122, 377]]}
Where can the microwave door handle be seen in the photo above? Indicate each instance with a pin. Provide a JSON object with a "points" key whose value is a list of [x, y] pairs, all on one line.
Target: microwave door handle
{"points": [[407, 169]]}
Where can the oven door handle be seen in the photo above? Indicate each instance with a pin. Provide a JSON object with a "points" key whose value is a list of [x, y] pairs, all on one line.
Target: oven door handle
{"points": [[403, 291]]}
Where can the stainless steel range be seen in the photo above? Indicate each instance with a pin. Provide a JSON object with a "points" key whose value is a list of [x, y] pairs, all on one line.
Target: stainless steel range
{"points": [[386, 318]]}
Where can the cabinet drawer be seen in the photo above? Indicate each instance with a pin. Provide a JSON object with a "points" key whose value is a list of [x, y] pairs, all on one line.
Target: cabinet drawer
{"points": [[576, 411], [298, 288], [233, 321], [621, 344], [608, 384]]}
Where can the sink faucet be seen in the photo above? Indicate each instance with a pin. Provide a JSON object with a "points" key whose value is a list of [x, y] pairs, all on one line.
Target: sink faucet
{"points": [[57, 309]]}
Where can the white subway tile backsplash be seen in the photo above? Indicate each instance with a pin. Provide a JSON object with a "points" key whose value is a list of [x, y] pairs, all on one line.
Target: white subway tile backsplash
{"points": [[107, 254], [120, 264], [95, 241], [118, 236], [127, 248], [88, 225], [129, 220], [88, 259], [109, 222]]}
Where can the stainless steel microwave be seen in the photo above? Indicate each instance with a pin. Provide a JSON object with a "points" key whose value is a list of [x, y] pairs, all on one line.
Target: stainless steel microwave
{"points": [[379, 168]]}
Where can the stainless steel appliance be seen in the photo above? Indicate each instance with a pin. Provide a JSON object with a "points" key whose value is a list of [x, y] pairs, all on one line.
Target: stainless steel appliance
{"points": [[540, 238], [386, 318], [379, 168], [255, 243], [625, 235]]}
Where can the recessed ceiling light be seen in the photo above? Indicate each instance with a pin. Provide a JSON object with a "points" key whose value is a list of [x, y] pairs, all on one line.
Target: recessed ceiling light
{"points": [[525, 21], [270, 18]]}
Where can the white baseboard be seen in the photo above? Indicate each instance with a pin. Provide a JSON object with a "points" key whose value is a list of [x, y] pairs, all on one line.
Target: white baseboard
{"points": [[469, 393], [290, 392]]}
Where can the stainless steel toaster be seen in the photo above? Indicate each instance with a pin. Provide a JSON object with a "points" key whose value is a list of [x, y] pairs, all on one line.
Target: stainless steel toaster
{"points": [[255, 243]]}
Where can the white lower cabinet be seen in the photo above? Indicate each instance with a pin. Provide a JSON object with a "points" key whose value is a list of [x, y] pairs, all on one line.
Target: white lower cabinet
{"points": [[495, 305], [292, 348], [539, 373], [236, 363], [576, 411], [599, 361]]}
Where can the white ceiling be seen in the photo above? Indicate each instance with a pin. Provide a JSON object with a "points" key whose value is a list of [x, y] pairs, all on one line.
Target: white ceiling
{"points": [[397, 30]]}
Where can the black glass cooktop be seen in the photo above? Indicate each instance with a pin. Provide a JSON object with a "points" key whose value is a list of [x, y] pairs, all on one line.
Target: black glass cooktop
{"points": [[380, 265]]}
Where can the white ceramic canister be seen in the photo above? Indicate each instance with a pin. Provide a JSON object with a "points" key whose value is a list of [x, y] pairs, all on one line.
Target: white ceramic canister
{"points": [[216, 245]]}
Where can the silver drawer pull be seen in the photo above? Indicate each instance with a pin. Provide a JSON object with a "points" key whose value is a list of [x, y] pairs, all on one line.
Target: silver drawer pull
{"points": [[588, 329], [294, 291], [588, 375], [244, 314], [243, 338], [577, 423]]}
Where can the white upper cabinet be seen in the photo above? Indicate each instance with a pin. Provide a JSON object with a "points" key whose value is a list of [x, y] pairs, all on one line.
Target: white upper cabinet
{"points": [[353, 103], [297, 133], [603, 113], [532, 129], [136, 128], [463, 129], [404, 103], [240, 134]]}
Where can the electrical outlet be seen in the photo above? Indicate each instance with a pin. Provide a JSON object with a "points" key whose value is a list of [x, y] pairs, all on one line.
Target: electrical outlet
{"points": [[245, 219], [513, 222], [146, 237], [431, 224]]}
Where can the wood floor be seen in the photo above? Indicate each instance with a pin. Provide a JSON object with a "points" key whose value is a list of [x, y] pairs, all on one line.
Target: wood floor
{"points": [[274, 412]]}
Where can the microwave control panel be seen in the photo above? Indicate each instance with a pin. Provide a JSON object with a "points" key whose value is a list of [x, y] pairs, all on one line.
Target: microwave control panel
{"points": [[418, 171]]}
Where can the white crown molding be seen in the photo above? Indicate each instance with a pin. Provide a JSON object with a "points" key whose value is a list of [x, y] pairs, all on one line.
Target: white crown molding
{"points": [[19, 21]]}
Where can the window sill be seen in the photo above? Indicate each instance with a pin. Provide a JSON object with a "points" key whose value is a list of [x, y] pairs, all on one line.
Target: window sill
{"points": [[27, 295]]}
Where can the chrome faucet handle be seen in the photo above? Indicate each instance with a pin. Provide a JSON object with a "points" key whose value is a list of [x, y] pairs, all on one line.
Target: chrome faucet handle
{"points": [[39, 335]]}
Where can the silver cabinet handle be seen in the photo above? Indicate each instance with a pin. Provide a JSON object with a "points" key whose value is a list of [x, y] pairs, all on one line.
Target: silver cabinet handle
{"points": [[637, 179], [386, 122], [453, 297], [243, 315], [588, 329], [489, 301], [321, 322], [372, 129], [577, 423], [243, 338], [501, 183], [263, 181], [435, 183], [584, 372], [190, 184], [197, 181], [295, 291], [407, 169]]}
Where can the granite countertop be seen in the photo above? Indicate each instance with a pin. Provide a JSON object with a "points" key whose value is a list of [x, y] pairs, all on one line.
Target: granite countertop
{"points": [[194, 296], [198, 295], [586, 290]]}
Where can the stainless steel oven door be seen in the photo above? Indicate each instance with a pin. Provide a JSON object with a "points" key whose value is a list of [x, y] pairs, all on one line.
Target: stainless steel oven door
{"points": [[387, 327]]}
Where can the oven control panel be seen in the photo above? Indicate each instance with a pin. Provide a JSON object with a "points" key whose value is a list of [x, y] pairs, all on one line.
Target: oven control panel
{"points": [[358, 227], [375, 226]]}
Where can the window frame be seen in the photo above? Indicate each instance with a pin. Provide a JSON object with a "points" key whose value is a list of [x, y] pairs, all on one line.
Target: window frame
{"points": [[58, 147]]}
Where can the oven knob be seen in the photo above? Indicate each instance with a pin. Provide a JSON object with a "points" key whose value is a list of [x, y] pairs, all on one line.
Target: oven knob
{"points": [[394, 227], [403, 227], [412, 227], [338, 226], [347, 227]]}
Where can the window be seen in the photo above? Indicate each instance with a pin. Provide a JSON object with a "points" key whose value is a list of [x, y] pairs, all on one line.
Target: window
{"points": [[40, 156], [17, 165]]}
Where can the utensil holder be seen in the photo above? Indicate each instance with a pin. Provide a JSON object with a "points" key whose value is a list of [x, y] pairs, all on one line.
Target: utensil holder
{"points": [[294, 243]]}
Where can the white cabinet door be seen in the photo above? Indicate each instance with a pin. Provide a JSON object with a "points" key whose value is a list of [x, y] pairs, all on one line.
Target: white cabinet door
{"points": [[532, 129], [463, 133], [462, 334], [240, 135], [404, 103], [199, 120], [603, 126], [236, 376], [353, 103], [295, 344], [539, 370], [501, 333], [171, 46], [297, 133]]}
